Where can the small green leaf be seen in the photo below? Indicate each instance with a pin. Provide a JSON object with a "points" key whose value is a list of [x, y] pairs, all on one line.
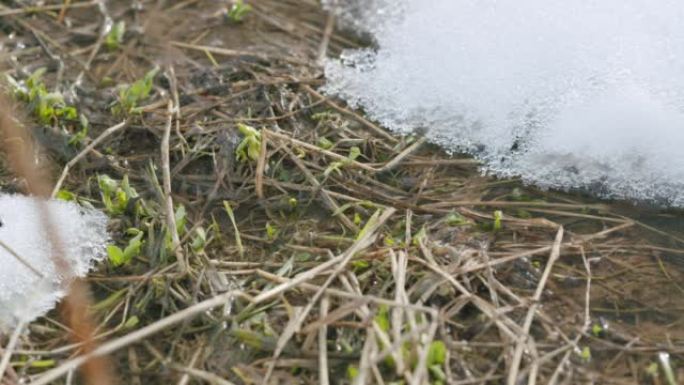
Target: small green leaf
{"points": [[456, 219], [250, 146], [361, 264], [271, 232], [107, 185], [352, 372], [357, 219], [585, 355], [498, 215], [130, 96], [134, 247], [325, 143], [437, 353], [200, 240], [131, 323], [42, 364], [238, 11], [293, 203], [115, 36], [354, 153], [437, 374], [66, 195], [181, 219], [116, 255], [382, 318]]}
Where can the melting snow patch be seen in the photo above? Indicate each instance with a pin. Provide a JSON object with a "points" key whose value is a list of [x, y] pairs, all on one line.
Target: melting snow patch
{"points": [[566, 94], [26, 294]]}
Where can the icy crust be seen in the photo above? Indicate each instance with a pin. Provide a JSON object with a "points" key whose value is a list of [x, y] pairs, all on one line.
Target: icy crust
{"points": [[23, 294], [370, 16], [566, 94]]}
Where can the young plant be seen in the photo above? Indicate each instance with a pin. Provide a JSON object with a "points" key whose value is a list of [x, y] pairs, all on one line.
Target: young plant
{"points": [[48, 107], [354, 153], [78, 138], [238, 11], [131, 95], [115, 36], [116, 197], [250, 146], [119, 257]]}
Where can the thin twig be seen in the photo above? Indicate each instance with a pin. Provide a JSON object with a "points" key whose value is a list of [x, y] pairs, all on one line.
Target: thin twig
{"points": [[523, 338], [166, 174], [136, 336], [9, 349]]}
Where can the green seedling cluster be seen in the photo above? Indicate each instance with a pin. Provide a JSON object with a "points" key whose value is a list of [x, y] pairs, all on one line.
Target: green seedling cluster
{"points": [[118, 197], [131, 95], [119, 257], [237, 12], [122, 201], [250, 146], [115, 36], [48, 107]]}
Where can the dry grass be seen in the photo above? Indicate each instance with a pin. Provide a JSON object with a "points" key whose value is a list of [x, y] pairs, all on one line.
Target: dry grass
{"points": [[347, 255]]}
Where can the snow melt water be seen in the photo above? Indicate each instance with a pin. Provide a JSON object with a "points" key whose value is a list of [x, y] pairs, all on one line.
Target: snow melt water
{"points": [[26, 294], [566, 94]]}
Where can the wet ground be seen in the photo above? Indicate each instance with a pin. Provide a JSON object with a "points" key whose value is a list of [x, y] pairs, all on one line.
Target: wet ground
{"points": [[476, 248]]}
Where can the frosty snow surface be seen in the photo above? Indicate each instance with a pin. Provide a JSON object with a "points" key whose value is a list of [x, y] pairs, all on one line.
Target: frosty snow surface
{"points": [[566, 94], [23, 294]]}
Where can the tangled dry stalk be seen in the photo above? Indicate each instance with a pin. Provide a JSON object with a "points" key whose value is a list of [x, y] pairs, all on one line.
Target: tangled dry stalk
{"points": [[334, 252]]}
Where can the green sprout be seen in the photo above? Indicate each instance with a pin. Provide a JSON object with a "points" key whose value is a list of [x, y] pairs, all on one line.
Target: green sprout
{"points": [[116, 196], [325, 143], [238, 11], [498, 215], [119, 257], [48, 107], [336, 167], [115, 36], [455, 219], [271, 232], [199, 241], [131, 95], [80, 136], [250, 146]]}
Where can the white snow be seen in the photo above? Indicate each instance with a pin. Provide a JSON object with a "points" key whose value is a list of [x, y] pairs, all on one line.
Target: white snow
{"points": [[24, 295], [567, 94]]}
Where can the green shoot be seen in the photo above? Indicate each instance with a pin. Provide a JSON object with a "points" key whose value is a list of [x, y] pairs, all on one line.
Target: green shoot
{"points": [[325, 143], [115, 196], [115, 36], [455, 219], [271, 232], [80, 136], [66, 195], [199, 241], [118, 257], [48, 107], [382, 318], [354, 153], [498, 215], [238, 11], [238, 239], [250, 146], [130, 96], [585, 354]]}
